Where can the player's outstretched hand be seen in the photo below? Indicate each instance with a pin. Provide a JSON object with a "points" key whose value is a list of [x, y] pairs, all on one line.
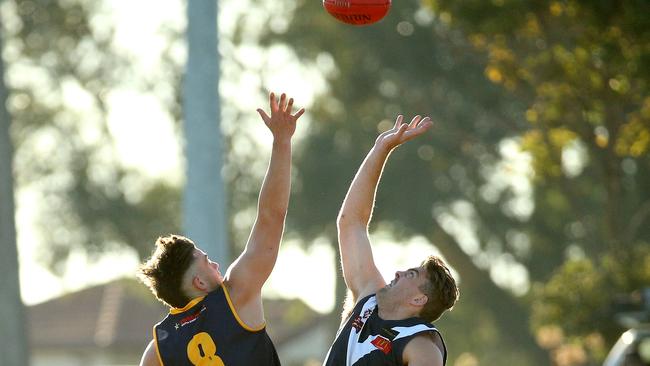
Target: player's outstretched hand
{"points": [[281, 122], [402, 132]]}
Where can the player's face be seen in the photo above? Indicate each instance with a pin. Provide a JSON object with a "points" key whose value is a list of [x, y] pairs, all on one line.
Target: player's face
{"points": [[208, 269], [407, 283]]}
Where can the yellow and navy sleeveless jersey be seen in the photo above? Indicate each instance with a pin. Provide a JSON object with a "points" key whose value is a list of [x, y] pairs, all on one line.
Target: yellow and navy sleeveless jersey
{"points": [[367, 340], [208, 331]]}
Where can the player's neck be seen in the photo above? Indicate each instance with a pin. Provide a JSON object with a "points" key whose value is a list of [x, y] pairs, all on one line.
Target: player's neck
{"points": [[391, 309], [196, 293]]}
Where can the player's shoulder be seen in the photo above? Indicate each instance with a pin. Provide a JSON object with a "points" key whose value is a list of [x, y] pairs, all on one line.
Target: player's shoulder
{"points": [[424, 349]]}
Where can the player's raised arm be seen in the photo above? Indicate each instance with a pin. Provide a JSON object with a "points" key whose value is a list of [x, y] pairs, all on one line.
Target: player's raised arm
{"points": [[249, 272], [359, 270]]}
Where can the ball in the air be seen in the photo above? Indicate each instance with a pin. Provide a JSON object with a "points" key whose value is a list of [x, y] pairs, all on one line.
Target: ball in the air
{"points": [[357, 12]]}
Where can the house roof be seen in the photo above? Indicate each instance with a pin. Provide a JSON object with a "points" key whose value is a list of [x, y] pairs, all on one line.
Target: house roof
{"points": [[121, 314], [116, 314]]}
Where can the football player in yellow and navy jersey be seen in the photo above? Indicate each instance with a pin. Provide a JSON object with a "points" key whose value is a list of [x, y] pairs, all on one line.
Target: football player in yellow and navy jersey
{"points": [[218, 319], [389, 324]]}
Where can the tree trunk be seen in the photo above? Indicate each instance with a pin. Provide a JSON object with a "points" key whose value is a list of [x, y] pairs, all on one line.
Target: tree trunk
{"points": [[13, 347]]}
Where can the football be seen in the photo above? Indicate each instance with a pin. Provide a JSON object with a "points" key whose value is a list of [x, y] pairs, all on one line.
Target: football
{"points": [[357, 12]]}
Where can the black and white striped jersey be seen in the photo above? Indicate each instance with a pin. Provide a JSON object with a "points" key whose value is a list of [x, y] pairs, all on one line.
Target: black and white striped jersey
{"points": [[367, 340]]}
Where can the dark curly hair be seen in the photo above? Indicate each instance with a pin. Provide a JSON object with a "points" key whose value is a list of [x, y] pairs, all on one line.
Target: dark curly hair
{"points": [[441, 289], [163, 273]]}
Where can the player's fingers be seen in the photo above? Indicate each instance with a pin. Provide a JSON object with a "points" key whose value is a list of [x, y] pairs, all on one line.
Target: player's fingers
{"points": [[299, 113], [283, 102], [265, 117], [425, 122], [401, 129], [272, 102], [398, 122], [414, 121], [289, 105], [422, 127]]}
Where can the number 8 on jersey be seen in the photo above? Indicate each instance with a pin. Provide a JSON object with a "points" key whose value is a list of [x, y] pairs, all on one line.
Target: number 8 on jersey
{"points": [[202, 351]]}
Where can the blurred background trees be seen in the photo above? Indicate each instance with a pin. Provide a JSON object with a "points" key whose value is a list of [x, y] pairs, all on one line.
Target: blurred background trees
{"points": [[583, 69], [61, 72], [534, 184]]}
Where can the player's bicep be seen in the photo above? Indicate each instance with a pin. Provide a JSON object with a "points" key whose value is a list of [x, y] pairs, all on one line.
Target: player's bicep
{"points": [[359, 270], [255, 264]]}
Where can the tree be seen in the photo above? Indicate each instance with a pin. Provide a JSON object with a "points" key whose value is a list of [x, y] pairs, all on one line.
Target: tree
{"points": [[579, 66], [64, 152]]}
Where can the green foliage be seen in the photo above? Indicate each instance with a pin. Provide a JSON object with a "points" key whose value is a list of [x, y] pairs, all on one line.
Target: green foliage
{"points": [[577, 301], [470, 331], [576, 285], [580, 61], [579, 66], [60, 68]]}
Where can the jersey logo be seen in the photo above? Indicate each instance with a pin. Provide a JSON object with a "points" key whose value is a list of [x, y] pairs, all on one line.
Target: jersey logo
{"points": [[360, 320], [382, 344], [192, 317], [162, 334]]}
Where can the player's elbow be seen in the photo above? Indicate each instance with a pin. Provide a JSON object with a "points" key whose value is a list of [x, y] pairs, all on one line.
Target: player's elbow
{"points": [[340, 219], [348, 219], [343, 221]]}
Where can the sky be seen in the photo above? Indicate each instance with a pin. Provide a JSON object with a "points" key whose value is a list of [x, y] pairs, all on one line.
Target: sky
{"points": [[138, 121]]}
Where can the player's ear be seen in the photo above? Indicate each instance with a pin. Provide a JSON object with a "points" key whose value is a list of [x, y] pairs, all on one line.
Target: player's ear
{"points": [[198, 283], [419, 300]]}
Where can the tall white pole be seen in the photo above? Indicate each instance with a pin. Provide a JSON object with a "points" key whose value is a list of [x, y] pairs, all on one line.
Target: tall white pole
{"points": [[204, 202]]}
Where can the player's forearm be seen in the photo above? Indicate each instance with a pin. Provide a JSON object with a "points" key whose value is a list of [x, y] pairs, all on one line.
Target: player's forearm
{"points": [[359, 201], [274, 194]]}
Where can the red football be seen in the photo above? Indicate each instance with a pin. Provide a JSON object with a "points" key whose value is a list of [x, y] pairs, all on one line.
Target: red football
{"points": [[357, 12]]}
